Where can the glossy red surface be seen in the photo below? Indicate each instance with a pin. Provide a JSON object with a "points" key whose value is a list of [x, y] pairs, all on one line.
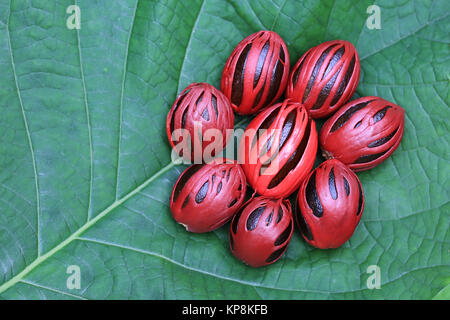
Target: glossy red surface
{"points": [[278, 149], [206, 196], [363, 133], [260, 232], [200, 105], [256, 73], [330, 203], [325, 77]]}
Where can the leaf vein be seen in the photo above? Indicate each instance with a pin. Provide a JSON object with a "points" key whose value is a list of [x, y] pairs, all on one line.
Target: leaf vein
{"points": [[125, 65], [30, 142], [33, 284], [186, 53], [88, 120], [80, 231]]}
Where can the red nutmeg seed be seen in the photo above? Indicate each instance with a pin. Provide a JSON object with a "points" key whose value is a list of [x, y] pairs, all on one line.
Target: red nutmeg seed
{"points": [[325, 77], [363, 133], [206, 196], [256, 73], [329, 205], [200, 106], [260, 232], [278, 149]]}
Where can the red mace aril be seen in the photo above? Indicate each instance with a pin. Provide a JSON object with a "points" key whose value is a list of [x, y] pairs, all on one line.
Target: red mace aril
{"points": [[363, 133], [278, 149], [260, 232], [329, 205], [206, 196], [325, 77], [256, 73], [199, 108]]}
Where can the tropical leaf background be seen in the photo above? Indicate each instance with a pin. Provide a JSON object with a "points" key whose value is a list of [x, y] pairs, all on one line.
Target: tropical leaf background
{"points": [[85, 167]]}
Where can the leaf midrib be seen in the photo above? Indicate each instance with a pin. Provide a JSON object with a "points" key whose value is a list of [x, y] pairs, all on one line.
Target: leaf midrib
{"points": [[75, 236], [40, 259], [90, 222]]}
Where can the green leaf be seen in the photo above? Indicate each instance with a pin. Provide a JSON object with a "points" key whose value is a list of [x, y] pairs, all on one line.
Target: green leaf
{"points": [[85, 165], [444, 294]]}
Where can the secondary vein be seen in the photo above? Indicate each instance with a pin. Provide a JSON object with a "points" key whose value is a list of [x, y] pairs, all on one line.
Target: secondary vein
{"points": [[125, 64], [189, 44], [88, 120], [30, 143], [33, 284]]}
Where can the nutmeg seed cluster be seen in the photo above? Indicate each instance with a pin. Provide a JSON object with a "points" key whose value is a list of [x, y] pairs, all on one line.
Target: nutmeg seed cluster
{"points": [[279, 146]]}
